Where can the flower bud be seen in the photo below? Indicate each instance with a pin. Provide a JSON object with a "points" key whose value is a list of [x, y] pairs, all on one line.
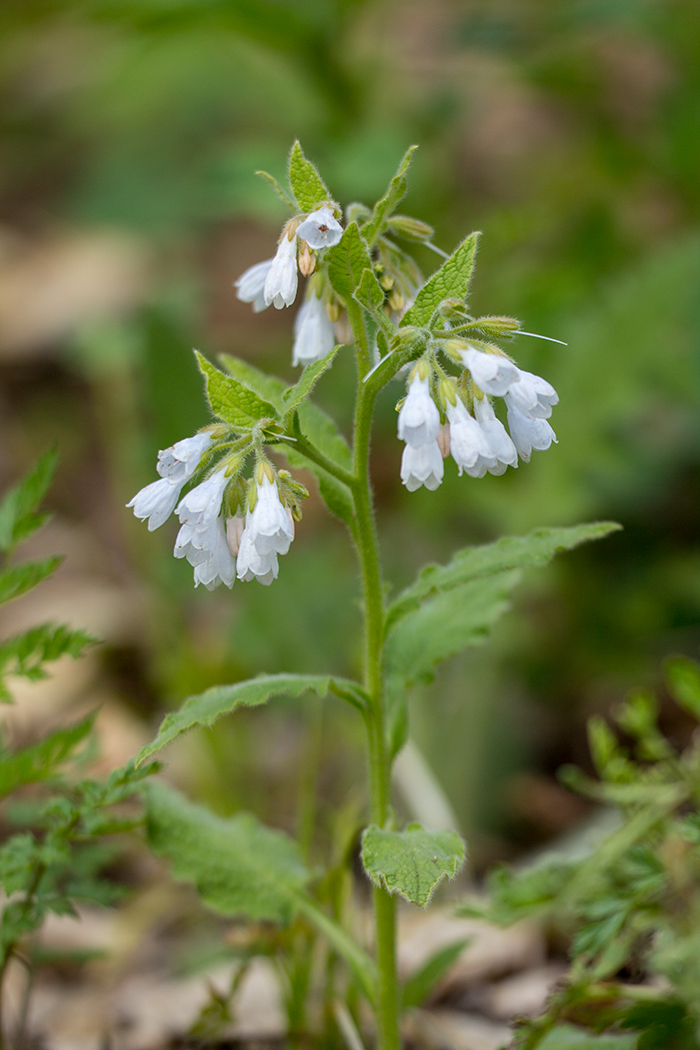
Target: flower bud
{"points": [[411, 229], [307, 260], [443, 440]]}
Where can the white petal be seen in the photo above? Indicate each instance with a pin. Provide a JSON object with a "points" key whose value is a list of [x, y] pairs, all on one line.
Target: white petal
{"points": [[422, 466], [281, 282], [419, 419], [251, 284], [529, 434], [180, 461], [320, 229], [201, 506], [156, 502], [314, 336], [492, 373], [532, 396]]}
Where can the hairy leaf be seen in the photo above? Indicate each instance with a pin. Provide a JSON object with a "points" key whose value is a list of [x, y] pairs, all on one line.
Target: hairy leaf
{"points": [[510, 552], [205, 708], [308, 187], [384, 207], [411, 862], [41, 760], [18, 517], [369, 292], [269, 388], [347, 262], [19, 579], [230, 400], [297, 394], [451, 281], [238, 865]]}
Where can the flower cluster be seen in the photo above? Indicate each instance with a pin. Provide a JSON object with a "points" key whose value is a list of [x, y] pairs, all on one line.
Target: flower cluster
{"points": [[476, 438], [275, 281], [228, 527]]}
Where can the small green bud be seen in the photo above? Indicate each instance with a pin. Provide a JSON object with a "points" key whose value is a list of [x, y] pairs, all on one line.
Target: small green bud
{"points": [[411, 229], [447, 391], [453, 309]]}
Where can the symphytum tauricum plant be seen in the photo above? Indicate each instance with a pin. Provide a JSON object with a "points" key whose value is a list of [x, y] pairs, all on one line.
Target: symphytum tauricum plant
{"points": [[240, 515]]}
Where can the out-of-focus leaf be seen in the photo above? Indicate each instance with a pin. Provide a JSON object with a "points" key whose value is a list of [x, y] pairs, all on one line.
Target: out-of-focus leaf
{"points": [[24, 654], [568, 1037], [411, 862], [19, 579], [421, 984], [683, 677], [18, 517], [41, 760]]}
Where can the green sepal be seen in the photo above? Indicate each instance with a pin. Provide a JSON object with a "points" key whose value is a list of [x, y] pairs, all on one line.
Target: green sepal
{"points": [[295, 395], [18, 509], [450, 281], [309, 189], [386, 205], [411, 862], [347, 262], [232, 401]]}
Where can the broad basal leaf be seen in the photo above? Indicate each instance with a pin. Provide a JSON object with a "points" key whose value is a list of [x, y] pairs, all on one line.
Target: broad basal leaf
{"points": [[19, 579], [411, 862], [443, 626], [41, 760], [384, 207], [230, 400], [450, 281], [205, 708], [18, 509], [510, 552], [347, 261], [295, 395], [307, 185], [239, 866]]}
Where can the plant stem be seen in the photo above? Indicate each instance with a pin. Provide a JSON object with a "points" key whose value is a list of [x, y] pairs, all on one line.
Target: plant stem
{"points": [[387, 999]]}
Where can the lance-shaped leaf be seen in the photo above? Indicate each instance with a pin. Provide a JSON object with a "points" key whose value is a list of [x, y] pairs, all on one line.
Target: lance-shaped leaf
{"points": [[308, 187], [510, 552], [230, 400], [205, 708], [443, 626], [18, 509], [384, 207], [421, 984], [451, 281], [347, 261], [19, 579], [411, 862], [369, 292], [268, 387], [295, 395], [239, 866]]}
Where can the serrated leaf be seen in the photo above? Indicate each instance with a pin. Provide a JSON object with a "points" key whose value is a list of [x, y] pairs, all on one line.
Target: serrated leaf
{"points": [[230, 400], [683, 678], [369, 292], [24, 654], [272, 181], [239, 866], [308, 187], [451, 281], [18, 517], [568, 1037], [205, 708], [39, 761], [347, 262], [295, 395], [411, 862], [269, 388], [443, 626], [510, 552], [19, 579], [384, 207], [421, 984]]}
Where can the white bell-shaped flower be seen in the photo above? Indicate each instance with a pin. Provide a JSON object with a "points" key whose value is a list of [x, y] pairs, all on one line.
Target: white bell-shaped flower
{"points": [[269, 523], [533, 396], [500, 445], [492, 373], [219, 565], [179, 462], [320, 229], [422, 466], [469, 444], [314, 336], [251, 565], [156, 502], [419, 419], [201, 506], [528, 433], [250, 286], [280, 286]]}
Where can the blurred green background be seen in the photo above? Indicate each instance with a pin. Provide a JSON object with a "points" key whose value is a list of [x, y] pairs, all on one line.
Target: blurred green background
{"points": [[569, 134]]}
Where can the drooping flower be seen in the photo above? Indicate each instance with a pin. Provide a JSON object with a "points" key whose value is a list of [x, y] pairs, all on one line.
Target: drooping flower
{"points": [[219, 565], [281, 282], [500, 445], [320, 229], [314, 336], [529, 433], [251, 565], [492, 373], [179, 462], [269, 531], [250, 286], [156, 502], [201, 506], [533, 396], [422, 465], [469, 444], [419, 418]]}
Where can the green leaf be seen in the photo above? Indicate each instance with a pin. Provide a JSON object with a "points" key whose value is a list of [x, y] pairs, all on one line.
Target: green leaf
{"points": [[24, 654], [205, 708], [230, 400], [683, 678], [444, 625], [510, 552], [19, 579], [421, 984], [269, 388], [295, 395], [40, 761], [384, 207], [451, 281], [347, 262], [239, 866], [568, 1037], [18, 517], [272, 181], [411, 862], [308, 187], [369, 292]]}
